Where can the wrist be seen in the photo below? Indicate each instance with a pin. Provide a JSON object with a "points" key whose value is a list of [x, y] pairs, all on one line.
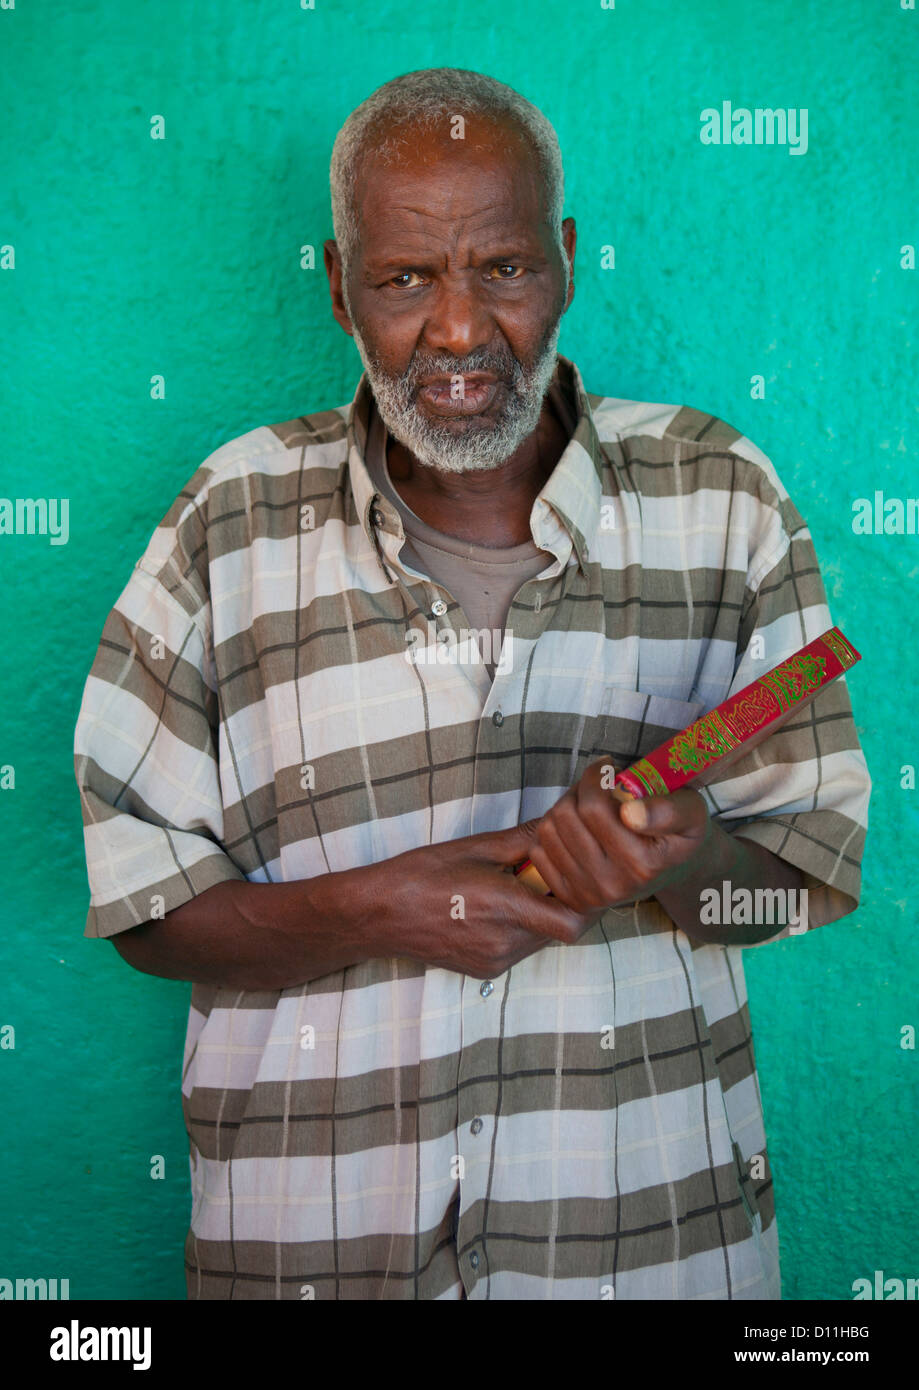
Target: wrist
{"points": [[681, 897], [713, 857], [345, 909]]}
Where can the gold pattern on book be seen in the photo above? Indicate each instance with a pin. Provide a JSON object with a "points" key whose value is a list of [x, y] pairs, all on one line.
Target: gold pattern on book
{"points": [[839, 647], [749, 714], [702, 743], [796, 678], [648, 775]]}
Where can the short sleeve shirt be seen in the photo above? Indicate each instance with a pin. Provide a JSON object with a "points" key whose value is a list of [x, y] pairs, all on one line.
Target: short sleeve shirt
{"points": [[269, 702]]}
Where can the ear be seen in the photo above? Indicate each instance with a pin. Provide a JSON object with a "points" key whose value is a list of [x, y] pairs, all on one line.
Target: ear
{"points": [[570, 238], [332, 258]]}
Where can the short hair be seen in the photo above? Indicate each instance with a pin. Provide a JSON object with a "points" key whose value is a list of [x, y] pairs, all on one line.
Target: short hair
{"points": [[424, 98]]}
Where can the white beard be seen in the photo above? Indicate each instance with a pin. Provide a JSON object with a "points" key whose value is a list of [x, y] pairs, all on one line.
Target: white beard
{"points": [[460, 451]]}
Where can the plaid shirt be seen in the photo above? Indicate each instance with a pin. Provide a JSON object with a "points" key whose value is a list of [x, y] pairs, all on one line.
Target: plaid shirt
{"points": [[589, 1124]]}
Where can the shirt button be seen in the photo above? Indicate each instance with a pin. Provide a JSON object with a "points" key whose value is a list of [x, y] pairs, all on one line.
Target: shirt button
{"points": [[474, 1260], [497, 717], [476, 1126], [438, 606], [487, 988]]}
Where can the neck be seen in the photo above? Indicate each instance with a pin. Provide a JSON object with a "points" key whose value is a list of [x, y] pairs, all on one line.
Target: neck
{"points": [[489, 506]]}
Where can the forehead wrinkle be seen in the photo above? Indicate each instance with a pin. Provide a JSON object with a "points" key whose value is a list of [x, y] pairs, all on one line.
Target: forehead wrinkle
{"points": [[447, 176], [482, 219], [400, 244], [494, 187], [500, 220]]}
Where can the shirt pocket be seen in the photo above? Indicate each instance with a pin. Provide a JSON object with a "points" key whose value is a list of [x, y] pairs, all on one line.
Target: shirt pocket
{"points": [[633, 723]]}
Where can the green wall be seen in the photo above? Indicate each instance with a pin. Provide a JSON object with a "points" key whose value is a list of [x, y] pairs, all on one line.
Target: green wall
{"points": [[180, 257]]}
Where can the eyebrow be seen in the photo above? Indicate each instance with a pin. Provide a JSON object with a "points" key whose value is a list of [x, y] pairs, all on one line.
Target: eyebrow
{"points": [[424, 260]]}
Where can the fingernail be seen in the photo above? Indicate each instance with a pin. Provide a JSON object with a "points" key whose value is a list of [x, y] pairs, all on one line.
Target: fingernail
{"points": [[636, 814]]}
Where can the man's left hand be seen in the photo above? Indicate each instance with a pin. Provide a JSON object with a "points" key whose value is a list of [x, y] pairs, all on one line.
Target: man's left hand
{"points": [[595, 851]]}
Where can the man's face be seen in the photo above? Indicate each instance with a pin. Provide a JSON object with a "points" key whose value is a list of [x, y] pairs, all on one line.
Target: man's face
{"points": [[455, 293]]}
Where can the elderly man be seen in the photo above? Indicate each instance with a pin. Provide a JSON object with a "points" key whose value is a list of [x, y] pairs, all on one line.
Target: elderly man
{"points": [[374, 657]]}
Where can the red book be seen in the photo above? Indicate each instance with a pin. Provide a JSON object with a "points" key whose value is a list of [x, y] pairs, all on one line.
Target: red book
{"points": [[702, 752]]}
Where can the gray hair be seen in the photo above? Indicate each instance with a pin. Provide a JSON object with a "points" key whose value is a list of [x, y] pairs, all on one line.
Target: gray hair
{"points": [[424, 98]]}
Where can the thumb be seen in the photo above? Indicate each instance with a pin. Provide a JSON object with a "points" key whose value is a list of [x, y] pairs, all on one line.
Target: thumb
{"points": [[649, 815]]}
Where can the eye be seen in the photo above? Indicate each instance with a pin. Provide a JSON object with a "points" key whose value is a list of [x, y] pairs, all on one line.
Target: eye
{"points": [[402, 281], [515, 271]]}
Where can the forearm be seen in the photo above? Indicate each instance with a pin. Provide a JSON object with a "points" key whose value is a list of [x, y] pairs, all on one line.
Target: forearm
{"points": [[452, 905], [241, 935], [742, 864]]}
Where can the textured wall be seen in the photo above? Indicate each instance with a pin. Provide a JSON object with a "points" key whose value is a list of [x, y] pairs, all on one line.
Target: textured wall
{"points": [[136, 257]]}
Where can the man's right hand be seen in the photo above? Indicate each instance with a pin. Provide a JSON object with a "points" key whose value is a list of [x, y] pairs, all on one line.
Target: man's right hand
{"points": [[457, 905], [454, 905]]}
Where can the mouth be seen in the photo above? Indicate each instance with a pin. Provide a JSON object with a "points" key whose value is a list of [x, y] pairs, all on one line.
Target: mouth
{"points": [[464, 394]]}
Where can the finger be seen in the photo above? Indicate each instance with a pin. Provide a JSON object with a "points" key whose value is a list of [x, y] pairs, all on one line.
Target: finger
{"points": [[661, 815], [633, 858], [506, 846], [600, 813], [554, 880], [568, 847], [545, 916]]}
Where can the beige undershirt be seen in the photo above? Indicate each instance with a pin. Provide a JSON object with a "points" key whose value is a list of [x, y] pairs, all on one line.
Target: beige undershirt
{"points": [[483, 579]]}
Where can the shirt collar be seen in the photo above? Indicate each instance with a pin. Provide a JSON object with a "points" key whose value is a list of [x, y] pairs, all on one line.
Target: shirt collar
{"points": [[566, 512]]}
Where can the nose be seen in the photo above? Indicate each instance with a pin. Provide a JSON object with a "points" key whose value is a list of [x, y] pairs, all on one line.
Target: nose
{"points": [[458, 322]]}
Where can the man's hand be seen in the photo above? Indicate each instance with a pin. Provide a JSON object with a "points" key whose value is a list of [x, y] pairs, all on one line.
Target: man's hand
{"points": [[457, 906], [595, 851], [454, 905]]}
